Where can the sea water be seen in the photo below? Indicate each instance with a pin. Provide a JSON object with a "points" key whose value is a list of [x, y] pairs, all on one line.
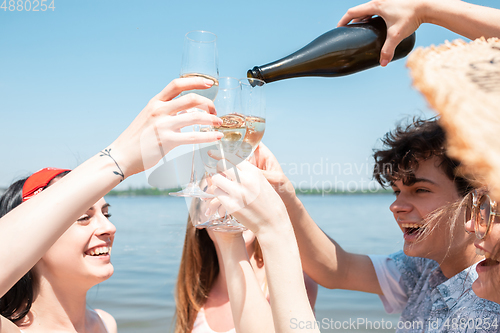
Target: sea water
{"points": [[148, 246]]}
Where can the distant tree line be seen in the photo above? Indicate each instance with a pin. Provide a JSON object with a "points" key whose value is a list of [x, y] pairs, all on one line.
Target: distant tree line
{"points": [[151, 191]]}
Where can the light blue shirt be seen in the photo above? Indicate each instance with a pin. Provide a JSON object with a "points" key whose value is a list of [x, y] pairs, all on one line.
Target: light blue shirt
{"points": [[428, 301]]}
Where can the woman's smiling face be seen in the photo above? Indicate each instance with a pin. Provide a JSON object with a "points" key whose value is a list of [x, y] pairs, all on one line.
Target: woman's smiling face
{"points": [[487, 285], [82, 254]]}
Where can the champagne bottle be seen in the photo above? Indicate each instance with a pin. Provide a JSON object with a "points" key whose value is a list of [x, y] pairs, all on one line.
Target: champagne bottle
{"points": [[341, 51]]}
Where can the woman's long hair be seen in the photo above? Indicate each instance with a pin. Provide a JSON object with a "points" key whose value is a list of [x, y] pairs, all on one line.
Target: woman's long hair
{"points": [[16, 303], [198, 270]]}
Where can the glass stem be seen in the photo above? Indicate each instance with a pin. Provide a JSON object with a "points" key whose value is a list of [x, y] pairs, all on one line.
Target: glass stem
{"points": [[193, 173], [193, 177]]}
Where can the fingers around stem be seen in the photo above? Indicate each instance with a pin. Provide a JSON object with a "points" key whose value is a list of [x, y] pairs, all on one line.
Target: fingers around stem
{"points": [[195, 137], [235, 160], [193, 118], [265, 160], [176, 86], [213, 206], [187, 102], [224, 184]]}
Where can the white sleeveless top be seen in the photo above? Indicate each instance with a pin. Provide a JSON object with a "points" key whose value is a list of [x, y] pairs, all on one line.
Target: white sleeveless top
{"points": [[105, 327], [103, 322], [201, 326]]}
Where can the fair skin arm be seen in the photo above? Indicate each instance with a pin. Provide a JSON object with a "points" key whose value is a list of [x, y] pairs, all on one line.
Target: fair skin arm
{"points": [[403, 17], [247, 300], [251, 311], [265, 214], [6, 326], [323, 259], [311, 289], [29, 230]]}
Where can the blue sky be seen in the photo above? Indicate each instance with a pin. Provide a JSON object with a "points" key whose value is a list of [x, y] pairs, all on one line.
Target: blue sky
{"points": [[72, 79]]}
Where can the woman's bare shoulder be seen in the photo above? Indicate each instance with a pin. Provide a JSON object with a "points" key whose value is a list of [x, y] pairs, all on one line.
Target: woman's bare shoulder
{"points": [[6, 326], [108, 319]]}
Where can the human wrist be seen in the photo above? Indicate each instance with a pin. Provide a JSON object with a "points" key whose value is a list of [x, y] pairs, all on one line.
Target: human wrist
{"points": [[286, 191], [277, 241], [424, 11], [231, 245], [280, 226], [437, 12], [293, 205], [108, 166], [117, 170], [120, 158], [228, 238]]}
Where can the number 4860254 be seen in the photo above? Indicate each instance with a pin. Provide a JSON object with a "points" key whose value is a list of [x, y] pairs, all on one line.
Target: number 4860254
{"points": [[27, 5]]}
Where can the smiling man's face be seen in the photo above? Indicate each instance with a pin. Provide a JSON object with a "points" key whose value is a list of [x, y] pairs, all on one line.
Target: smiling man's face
{"points": [[432, 190]]}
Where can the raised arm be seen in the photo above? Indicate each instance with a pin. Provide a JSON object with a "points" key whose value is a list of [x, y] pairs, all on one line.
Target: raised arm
{"points": [[323, 259], [255, 204], [403, 17], [251, 311], [29, 230]]}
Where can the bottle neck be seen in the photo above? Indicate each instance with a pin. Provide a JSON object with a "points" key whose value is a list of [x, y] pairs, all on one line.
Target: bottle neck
{"points": [[255, 73]]}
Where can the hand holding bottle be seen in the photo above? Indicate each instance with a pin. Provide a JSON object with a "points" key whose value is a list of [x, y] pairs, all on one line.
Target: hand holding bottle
{"points": [[341, 51], [402, 18]]}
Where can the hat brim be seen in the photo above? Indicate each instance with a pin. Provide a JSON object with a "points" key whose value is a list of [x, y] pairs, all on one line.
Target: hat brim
{"points": [[461, 81]]}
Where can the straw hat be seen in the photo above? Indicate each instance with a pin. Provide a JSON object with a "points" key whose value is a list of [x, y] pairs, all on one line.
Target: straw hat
{"points": [[461, 81]]}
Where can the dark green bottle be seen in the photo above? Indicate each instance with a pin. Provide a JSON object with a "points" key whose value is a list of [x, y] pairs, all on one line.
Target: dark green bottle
{"points": [[341, 51]]}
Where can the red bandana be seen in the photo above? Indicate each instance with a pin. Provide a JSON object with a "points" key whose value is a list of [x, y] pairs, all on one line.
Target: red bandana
{"points": [[37, 181]]}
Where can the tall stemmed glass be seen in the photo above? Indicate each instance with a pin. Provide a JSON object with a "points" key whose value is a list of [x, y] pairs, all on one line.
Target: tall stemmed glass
{"points": [[228, 105], [199, 59], [253, 106]]}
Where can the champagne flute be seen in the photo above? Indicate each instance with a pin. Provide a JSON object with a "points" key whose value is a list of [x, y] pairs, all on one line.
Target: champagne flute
{"points": [[228, 108], [253, 106], [199, 59], [233, 127], [228, 105]]}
